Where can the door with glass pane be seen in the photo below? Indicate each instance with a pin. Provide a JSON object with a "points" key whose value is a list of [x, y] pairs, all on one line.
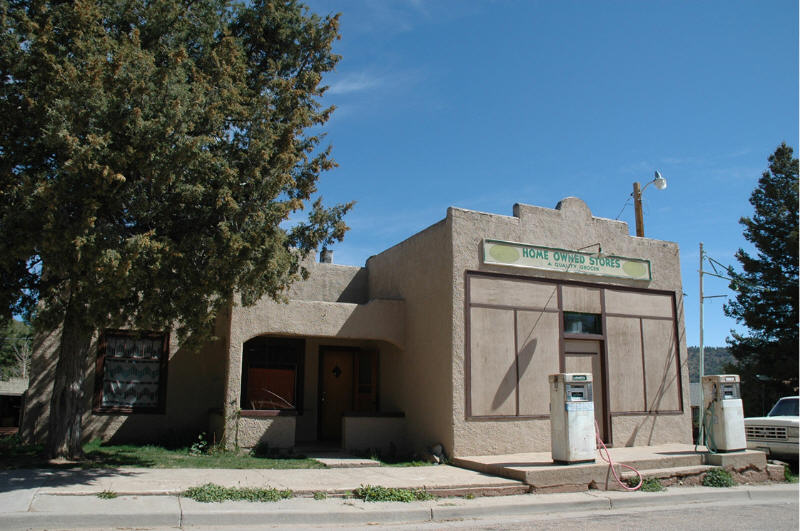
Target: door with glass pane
{"points": [[586, 356]]}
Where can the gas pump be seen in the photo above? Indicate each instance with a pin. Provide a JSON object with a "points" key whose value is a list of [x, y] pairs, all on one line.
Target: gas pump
{"points": [[572, 436], [723, 416]]}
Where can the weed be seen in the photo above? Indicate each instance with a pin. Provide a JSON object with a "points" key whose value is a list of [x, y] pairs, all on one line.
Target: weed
{"points": [[469, 496], [320, 495], [718, 477], [200, 446], [648, 484], [787, 474], [374, 493], [107, 495], [216, 493]]}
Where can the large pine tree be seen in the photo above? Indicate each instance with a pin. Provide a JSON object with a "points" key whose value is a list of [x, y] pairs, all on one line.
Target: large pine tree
{"points": [[151, 152], [767, 287]]}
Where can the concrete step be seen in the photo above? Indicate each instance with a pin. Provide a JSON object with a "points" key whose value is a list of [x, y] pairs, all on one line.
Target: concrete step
{"points": [[674, 463], [344, 461], [668, 473]]}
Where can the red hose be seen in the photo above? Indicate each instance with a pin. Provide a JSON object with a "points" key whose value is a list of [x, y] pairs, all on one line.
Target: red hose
{"points": [[602, 448]]}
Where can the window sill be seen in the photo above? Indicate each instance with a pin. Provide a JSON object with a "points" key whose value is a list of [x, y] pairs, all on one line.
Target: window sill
{"points": [[128, 411], [258, 413], [389, 414], [573, 335]]}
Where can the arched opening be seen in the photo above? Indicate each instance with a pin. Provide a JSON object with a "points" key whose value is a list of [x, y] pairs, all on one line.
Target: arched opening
{"points": [[272, 374]]}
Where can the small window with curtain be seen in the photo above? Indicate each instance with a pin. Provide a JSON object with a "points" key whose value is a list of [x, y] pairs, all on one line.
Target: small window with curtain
{"points": [[582, 323], [131, 372], [272, 374]]}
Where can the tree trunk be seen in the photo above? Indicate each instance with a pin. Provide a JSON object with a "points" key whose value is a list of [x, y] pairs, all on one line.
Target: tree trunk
{"points": [[66, 404]]}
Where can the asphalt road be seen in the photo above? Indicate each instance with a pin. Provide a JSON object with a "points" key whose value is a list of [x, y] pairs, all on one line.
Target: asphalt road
{"points": [[776, 516], [722, 516]]}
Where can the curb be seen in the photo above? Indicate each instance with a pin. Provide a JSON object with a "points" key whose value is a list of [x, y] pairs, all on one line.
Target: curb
{"points": [[50, 511]]}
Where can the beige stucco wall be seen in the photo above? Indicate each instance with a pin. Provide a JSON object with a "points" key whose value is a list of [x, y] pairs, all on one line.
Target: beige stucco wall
{"points": [[195, 383], [418, 271], [319, 309], [273, 432], [383, 434], [331, 283], [569, 226]]}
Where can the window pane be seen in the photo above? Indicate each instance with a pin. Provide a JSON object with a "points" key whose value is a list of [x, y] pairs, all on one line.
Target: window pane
{"points": [[270, 388], [132, 372], [582, 323]]}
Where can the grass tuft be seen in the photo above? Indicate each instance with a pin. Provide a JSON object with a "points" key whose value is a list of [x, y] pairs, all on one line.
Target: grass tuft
{"points": [[210, 493], [374, 493], [718, 477], [651, 485], [107, 495]]}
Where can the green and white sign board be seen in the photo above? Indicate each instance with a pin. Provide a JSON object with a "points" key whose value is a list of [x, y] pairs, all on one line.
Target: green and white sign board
{"points": [[554, 259]]}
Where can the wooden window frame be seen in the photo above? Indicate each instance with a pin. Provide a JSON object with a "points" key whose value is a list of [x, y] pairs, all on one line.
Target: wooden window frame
{"points": [[299, 369], [160, 408], [559, 283]]}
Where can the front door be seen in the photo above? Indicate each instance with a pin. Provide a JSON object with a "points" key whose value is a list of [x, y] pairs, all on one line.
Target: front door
{"points": [[348, 382], [586, 356], [336, 393]]}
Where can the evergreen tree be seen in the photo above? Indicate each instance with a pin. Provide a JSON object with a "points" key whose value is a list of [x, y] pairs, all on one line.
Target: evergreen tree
{"points": [[151, 152], [767, 287]]}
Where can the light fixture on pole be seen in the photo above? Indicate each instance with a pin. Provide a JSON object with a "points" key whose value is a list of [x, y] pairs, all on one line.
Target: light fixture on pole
{"points": [[661, 184]]}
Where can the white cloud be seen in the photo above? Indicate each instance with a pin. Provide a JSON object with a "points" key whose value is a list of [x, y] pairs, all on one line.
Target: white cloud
{"points": [[357, 82]]}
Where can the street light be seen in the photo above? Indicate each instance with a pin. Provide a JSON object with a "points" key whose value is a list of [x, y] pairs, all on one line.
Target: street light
{"points": [[661, 184]]}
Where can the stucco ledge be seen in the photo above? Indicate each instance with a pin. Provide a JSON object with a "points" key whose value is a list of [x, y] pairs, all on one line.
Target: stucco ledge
{"points": [[378, 319]]}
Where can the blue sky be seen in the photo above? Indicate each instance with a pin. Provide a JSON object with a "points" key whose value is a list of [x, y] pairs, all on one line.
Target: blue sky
{"points": [[483, 104]]}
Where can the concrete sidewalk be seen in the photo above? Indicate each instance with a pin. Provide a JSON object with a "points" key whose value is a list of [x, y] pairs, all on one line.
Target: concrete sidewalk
{"points": [[51, 510], [67, 498], [161, 481]]}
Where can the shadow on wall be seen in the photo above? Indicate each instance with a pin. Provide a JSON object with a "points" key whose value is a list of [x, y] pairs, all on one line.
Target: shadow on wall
{"points": [[356, 290], [40, 387], [668, 378], [509, 383], [195, 384]]}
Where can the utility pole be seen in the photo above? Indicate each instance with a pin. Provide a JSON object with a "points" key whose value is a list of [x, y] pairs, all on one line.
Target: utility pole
{"points": [[637, 207], [702, 361], [701, 409]]}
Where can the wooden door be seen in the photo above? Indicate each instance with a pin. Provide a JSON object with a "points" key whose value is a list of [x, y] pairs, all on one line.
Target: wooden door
{"points": [[586, 356], [336, 391]]}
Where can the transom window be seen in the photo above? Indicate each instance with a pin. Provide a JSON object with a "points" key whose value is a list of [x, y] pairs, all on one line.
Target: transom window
{"points": [[582, 323], [131, 372], [272, 376]]}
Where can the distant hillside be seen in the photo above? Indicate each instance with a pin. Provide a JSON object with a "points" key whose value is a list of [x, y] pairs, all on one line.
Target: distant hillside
{"points": [[715, 360]]}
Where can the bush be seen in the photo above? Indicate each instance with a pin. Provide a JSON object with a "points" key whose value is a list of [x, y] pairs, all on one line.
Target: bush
{"points": [[648, 484], [216, 493], [718, 477], [374, 493]]}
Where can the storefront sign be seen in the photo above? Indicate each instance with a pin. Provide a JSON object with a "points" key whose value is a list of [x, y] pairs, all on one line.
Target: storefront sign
{"points": [[554, 259]]}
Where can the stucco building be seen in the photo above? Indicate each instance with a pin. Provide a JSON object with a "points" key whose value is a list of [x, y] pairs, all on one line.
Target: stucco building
{"points": [[447, 337]]}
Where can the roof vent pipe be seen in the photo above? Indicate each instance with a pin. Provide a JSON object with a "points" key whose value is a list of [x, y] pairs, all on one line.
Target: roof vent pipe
{"points": [[326, 256]]}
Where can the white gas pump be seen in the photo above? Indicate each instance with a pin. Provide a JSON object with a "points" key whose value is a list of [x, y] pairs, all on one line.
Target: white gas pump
{"points": [[572, 437], [723, 416]]}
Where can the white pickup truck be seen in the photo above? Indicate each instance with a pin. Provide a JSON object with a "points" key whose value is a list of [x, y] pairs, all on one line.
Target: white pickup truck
{"points": [[777, 433]]}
